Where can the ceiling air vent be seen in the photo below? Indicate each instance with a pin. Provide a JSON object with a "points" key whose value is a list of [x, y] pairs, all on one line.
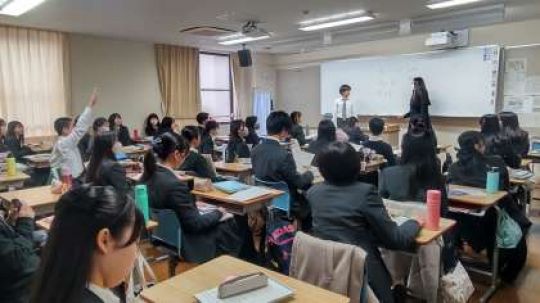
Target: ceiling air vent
{"points": [[206, 31]]}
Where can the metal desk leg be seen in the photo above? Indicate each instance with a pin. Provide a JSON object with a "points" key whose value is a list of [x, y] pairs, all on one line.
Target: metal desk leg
{"points": [[495, 265]]}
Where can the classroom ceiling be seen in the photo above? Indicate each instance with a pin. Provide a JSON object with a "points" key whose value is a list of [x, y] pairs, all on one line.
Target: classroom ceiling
{"points": [[161, 20]]}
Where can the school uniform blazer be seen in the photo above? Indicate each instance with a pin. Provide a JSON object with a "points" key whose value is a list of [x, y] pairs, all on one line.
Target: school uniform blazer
{"points": [[237, 148], [355, 214], [123, 135], [89, 297], [207, 145], [252, 137], [297, 132], [475, 173], [196, 163], [384, 149], [165, 191], [151, 132], [111, 173], [86, 146], [499, 145], [16, 148], [355, 134], [272, 162]]}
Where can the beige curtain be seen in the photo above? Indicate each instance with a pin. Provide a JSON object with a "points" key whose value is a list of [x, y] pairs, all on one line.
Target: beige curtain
{"points": [[34, 79], [242, 88], [178, 73]]}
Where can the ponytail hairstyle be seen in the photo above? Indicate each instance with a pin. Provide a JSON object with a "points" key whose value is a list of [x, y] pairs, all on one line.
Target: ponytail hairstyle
{"points": [[162, 147], [80, 215]]}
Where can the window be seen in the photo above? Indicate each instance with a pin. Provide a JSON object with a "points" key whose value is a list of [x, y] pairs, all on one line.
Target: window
{"points": [[216, 86]]}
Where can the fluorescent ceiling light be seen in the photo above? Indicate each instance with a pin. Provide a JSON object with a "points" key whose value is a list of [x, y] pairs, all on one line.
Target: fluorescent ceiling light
{"points": [[336, 23], [17, 7], [449, 3], [244, 39]]}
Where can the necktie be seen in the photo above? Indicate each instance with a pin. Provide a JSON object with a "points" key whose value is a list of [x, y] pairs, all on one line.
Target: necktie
{"points": [[344, 110]]}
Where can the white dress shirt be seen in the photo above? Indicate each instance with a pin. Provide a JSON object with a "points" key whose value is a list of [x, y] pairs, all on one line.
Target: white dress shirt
{"points": [[338, 108], [65, 152]]}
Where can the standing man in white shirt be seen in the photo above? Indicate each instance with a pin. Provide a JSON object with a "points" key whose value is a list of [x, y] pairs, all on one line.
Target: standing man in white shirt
{"points": [[343, 107]]}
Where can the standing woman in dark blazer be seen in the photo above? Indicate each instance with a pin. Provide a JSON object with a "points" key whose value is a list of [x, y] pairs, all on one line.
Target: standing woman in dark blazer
{"points": [[115, 123], [195, 162], [103, 169], [252, 137], [363, 219], [517, 136], [208, 145], [237, 147], [420, 102], [496, 142], [15, 140], [92, 247], [152, 125], [297, 131], [205, 236]]}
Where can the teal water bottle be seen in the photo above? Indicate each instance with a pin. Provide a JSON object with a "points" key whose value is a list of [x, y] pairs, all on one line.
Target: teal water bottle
{"points": [[141, 199], [492, 181]]}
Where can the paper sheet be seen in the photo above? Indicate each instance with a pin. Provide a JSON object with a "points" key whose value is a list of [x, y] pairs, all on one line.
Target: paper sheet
{"points": [[250, 193], [519, 104], [303, 160], [515, 76]]}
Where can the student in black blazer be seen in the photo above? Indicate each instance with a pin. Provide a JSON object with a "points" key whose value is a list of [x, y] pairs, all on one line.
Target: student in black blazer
{"points": [[326, 134], [194, 162], [273, 163], [167, 126], [252, 126], [15, 141], [363, 219], [202, 118], [103, 169], [92, 247], [237, 146], [208, 144], [351, 128], [115, 124], [205, 236], [152, 125], [297, 132], [517, 136], [496, 142], [86, 145], [376, 143]]}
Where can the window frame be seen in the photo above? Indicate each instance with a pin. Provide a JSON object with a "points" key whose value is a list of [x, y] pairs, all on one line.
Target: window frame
{"points": [[231, 96]]}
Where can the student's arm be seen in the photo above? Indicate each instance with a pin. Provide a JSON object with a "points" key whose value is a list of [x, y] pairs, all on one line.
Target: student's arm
{"points": [[291, 175], [390, 157], [387, 231], [82, 126], [17, 253], [183, 204]]}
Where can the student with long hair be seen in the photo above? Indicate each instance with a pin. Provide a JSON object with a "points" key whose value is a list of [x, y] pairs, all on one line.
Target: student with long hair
{"points": [[103, 169], [420, 102], [195, 162], [496, 142], [15, 140], [237, 146], [297, 131], [92, 247], [517, 136], [116, 124], [208, 143], [86, 144], [2, 133], [351, 128], [363, 219], [326, 134], [202, 118], [167, 125], [252, 127], [205, 236], [479, 233], [152, 125]]}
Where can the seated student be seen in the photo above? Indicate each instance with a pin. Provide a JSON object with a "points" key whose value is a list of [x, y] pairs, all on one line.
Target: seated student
{"points": [[152, 125], [363, 219], [65, 153], [15, 140], [297, 131], [92, 247], [376, 143], [18, 260], [2, 135], [86, 144], [326, 134], [194, 162], [517, 136], [273, 163], [496, 142], [115, 124], [237, 146], [479, 233], [252, 126], [208, 145], [205, 236], [167, 125], [202, 118], [354, 132], [103, 169]]}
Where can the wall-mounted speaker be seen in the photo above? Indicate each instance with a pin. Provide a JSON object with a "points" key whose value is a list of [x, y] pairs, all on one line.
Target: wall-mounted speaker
{"points": [[244, 56]]}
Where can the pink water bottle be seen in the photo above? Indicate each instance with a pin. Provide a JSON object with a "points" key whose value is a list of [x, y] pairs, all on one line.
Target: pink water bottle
{"points": [[136, 134], [67, 179], [433, 209]]}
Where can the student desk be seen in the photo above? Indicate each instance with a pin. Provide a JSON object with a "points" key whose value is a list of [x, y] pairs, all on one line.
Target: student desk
{"points": [[135, 177], [183, 287], [39, 148], [134, 151], [373, 166], [222, 199], [41, 199], [16, 181], [238, 170], [45, 224], [38, 160], [482, 201]]}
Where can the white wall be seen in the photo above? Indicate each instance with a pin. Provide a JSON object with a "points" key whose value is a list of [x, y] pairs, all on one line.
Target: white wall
{"points": [[125, 73]]}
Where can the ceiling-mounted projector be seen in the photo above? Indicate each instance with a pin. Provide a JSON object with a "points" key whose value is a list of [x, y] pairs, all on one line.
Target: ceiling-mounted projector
{"points": [[448, 39]]}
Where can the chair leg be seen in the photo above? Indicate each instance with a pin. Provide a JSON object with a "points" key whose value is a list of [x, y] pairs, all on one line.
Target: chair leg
{"points": [[173, 262]]}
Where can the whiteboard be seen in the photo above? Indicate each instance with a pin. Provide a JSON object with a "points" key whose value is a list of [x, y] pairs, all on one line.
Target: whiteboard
{"points": [[461, 83]]}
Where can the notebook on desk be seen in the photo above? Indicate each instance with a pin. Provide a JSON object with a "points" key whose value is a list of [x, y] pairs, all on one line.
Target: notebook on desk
{"points": [[250, 193], [230, 187]]}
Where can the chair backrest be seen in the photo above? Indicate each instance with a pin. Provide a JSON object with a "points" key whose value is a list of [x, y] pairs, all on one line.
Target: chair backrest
{"points": [[282, 202], [168, 231], [210, 162]]}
